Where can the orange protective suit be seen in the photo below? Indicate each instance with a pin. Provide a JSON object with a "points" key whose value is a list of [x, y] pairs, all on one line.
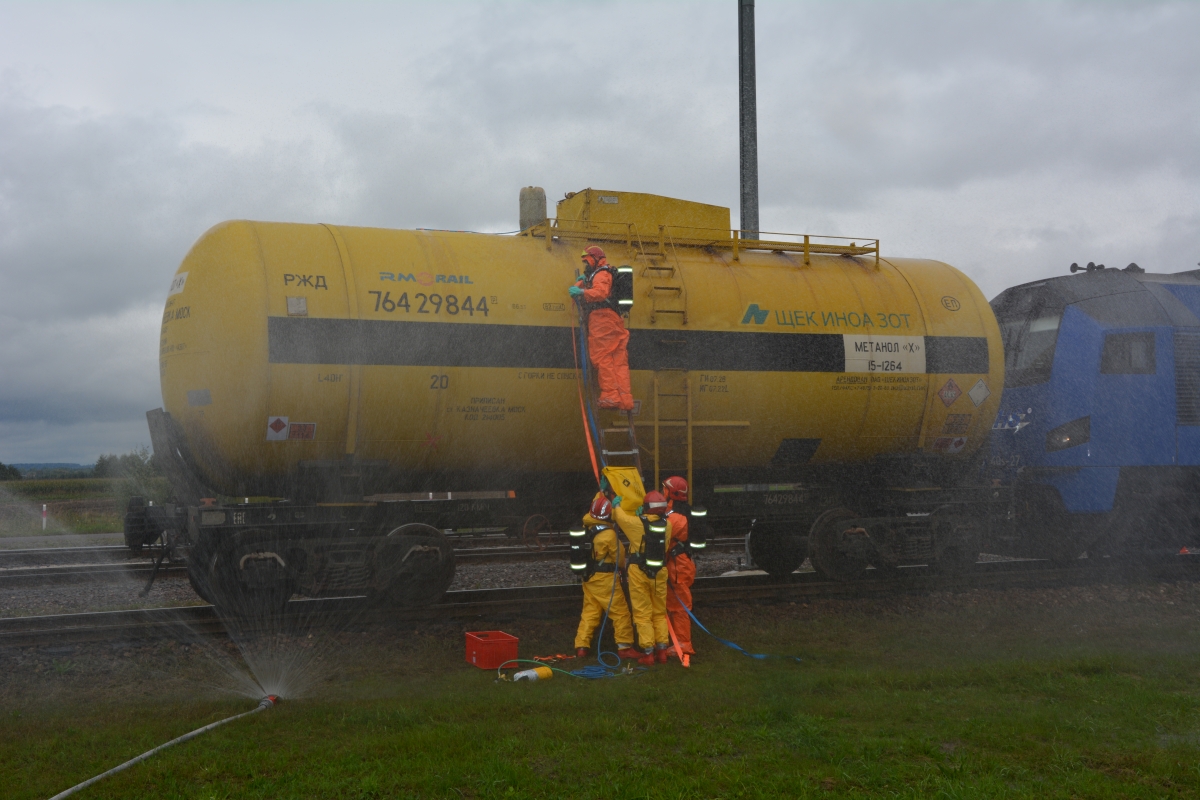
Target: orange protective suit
{"points": [[608, 343], [681, 574]]}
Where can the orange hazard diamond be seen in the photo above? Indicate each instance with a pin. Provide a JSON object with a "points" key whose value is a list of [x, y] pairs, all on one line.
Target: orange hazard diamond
{"points": [[950, 392], [277, 425]]}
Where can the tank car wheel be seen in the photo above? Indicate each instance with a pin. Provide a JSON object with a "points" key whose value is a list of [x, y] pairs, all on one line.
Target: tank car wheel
{"points": [[218, 579], [200, 582], [960, 552], [532, 530], [775, 551], [827, 543], [413, 566]]}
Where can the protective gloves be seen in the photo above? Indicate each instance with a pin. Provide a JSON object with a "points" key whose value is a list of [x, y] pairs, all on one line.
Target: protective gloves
{"points": [[575, 291], [616, 501]]}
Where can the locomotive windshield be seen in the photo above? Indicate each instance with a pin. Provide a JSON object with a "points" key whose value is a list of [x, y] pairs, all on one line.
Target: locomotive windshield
{"points": [[1029, 319]]}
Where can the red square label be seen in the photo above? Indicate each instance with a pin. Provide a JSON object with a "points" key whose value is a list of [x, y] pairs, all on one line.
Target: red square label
{"points": [[306, 431]]}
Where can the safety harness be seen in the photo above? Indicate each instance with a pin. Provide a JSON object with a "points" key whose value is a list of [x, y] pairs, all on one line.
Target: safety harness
{"points": [[697, 541], [653, 554], [583, 562], [620, 296]]}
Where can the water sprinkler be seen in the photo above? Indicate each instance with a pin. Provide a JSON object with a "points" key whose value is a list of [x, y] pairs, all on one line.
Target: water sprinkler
{"points": [[269, 701]]}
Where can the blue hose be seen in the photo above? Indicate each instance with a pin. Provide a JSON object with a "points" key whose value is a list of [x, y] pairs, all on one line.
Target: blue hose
{"points": [[602, 670], [726, 642]]}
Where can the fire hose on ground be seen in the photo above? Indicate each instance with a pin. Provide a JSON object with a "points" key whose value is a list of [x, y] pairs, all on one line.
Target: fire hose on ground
{"points": [[267, 702]]}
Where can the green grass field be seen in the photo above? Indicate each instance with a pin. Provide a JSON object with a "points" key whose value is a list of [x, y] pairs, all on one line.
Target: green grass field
{"points": [[77, 505], [52, 490], [1051, 694]]}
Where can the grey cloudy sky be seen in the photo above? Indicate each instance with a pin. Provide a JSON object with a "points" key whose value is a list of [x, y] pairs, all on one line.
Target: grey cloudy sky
{"points": [[1007, 139]]}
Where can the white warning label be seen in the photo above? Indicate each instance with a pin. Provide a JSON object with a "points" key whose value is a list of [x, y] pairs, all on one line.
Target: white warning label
{"points": [[277, 429], [868, 353], [178, 284]]}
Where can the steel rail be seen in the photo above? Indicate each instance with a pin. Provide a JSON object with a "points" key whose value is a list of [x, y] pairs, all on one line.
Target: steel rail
{"points": [[73, 568], [188, 622]]}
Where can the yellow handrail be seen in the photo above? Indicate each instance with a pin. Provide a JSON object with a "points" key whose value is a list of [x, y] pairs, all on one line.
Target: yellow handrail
{"points": [[709, 237]]}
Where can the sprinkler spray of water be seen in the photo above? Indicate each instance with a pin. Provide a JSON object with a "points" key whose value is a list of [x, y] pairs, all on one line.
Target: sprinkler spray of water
{"points": [[267, 702]]}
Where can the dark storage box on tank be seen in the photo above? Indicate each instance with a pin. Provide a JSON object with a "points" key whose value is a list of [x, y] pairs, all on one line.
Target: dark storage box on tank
{"points": [[490, 649]]}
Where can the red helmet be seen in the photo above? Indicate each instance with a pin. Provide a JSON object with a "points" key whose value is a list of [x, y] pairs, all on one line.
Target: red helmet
{"points": [[593, 256], [675, 488], [655, 503], [601, 508]]}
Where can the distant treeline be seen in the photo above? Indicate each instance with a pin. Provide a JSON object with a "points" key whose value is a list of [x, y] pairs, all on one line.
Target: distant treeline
{"points": [[138, 465]]}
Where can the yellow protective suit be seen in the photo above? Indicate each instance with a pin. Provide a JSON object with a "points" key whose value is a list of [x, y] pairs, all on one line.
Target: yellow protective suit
{"points": [[601, 589], [647, 595]]}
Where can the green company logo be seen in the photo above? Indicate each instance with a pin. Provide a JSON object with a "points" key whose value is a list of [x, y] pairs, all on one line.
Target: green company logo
{"points": [[758, 315]]}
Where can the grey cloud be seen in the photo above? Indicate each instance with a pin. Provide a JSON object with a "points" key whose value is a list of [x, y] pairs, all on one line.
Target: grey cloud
{"points": [[1008, 139]]}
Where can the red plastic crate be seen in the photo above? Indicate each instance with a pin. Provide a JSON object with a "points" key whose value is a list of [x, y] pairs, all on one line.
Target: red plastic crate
{"points": [[490, 649]]}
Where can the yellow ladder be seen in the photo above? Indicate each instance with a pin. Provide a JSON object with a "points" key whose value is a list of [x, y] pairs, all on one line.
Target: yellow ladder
{"points": [[660, 265], [672, 423]]}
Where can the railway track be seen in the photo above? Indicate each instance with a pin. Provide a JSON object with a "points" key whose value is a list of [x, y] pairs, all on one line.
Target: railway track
{"points": [[189, 622], [113, 564]]}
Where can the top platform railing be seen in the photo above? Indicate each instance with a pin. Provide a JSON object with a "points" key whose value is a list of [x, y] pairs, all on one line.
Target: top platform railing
{"points": [[683, 236]]}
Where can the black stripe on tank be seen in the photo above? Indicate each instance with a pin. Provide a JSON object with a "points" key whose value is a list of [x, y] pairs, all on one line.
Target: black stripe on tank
{"points": [[302, 340], [727, 351], [956, 354]]}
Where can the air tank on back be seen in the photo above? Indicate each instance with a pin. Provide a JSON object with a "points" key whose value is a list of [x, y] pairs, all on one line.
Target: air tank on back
{"points": [[446, 360]]}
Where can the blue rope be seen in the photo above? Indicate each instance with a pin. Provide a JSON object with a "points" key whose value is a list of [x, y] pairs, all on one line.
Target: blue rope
{"points": [[726, 642], [602, 670]]}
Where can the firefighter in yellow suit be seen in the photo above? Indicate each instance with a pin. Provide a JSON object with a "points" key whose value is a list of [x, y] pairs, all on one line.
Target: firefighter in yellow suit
{"points": [[647, 579], [602, 593]]}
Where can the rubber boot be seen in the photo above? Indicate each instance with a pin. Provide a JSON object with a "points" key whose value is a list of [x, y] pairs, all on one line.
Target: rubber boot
{"points": [[647, 659], [629, 653], [581, 652], [660, 655]]}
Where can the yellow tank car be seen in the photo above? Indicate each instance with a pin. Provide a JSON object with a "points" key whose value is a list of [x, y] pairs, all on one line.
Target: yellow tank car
{"points": [[780, 375], [446, 352]]}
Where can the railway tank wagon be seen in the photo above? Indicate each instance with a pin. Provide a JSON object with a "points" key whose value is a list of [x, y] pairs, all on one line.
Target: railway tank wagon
{"points": [[1099, 429], [358, 389]]}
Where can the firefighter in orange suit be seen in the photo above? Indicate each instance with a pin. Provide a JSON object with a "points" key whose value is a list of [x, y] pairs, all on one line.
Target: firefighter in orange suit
{"points": [[681, 570], [602, 592], [608, 340], [647, 577]]}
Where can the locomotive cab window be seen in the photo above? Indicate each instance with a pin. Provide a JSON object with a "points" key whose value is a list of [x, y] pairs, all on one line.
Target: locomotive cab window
{"points": [[1128, 354], [1029, 321]]}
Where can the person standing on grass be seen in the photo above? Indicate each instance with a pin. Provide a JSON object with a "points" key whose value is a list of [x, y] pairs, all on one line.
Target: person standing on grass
{"points": [[602, 593], [681, 570], [645, 533]]}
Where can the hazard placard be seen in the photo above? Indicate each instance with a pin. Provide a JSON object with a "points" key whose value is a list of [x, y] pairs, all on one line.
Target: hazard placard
{"points": [[949, 393], [277, 429], [979, 392]]}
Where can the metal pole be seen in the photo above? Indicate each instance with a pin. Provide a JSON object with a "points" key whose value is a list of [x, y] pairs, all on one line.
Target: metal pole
{"points": [[748, 107]]}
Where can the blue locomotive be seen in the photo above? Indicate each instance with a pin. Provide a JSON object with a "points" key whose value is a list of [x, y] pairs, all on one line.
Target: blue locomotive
{"points": [[1098, 432]]}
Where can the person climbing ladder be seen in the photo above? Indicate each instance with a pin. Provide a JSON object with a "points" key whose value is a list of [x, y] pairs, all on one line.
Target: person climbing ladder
{"points": [[608, 340]]}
